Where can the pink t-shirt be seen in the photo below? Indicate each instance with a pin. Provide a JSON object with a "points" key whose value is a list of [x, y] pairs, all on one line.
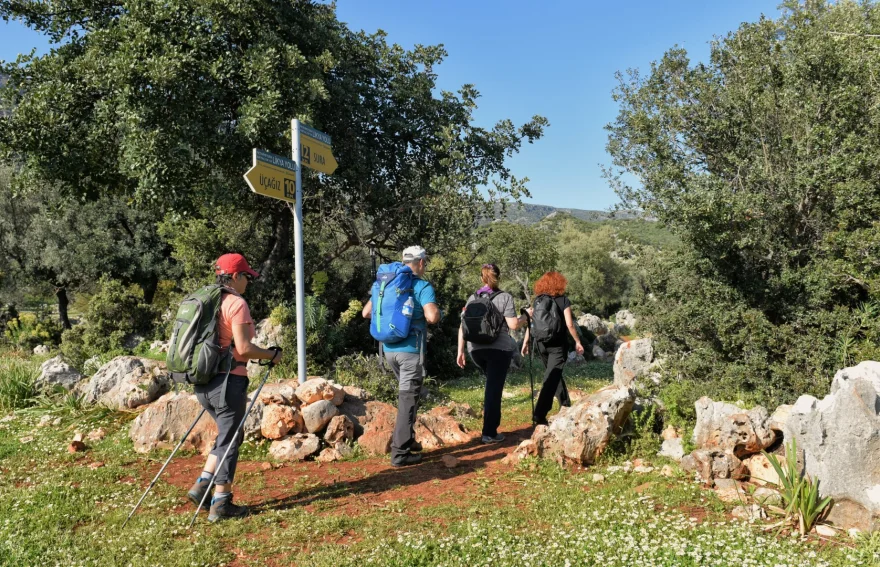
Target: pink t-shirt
{"points": [[234, 310]]}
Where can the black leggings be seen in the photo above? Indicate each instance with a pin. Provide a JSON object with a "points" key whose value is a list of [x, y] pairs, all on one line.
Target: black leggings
{"points": [[554, 358], [494, 363]]}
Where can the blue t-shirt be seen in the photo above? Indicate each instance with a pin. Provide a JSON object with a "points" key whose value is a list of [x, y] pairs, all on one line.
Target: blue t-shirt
{"points": [[423, 294]]}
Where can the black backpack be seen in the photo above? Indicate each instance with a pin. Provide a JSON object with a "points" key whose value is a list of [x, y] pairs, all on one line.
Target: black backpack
{"points": [[481, 320], [548, 322]]}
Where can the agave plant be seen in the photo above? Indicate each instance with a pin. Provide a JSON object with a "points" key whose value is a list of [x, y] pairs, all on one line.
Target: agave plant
{"points": [[800, 494]]}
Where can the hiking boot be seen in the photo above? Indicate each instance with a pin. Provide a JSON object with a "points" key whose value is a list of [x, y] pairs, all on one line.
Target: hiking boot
{"points": [[415, 447], [540, 421], [224, 508], [408, 459], [497, 439], [196, 494]]}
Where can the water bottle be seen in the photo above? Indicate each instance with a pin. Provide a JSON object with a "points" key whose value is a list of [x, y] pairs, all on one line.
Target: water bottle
{"points": [[408, 306]]}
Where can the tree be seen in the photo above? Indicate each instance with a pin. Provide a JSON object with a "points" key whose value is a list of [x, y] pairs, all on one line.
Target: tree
{"points": [[162, 103], [522, 253], [48, 239], [764, 161], [596, 281]]}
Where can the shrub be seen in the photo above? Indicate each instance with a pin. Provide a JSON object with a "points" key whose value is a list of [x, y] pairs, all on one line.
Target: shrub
{"points": [[115, 313], [32, 329], [365, 372], [17, 378]]}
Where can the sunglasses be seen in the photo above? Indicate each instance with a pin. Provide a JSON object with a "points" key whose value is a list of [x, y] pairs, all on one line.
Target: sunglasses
{"points": [[247, 276]]}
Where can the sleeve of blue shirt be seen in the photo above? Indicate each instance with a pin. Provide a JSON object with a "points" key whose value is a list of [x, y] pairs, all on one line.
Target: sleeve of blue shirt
{"points": [[425, 295]]}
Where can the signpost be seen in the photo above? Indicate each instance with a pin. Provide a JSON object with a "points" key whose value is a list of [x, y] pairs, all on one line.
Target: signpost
{"points": [[273, 176], [315, 150], [280, 178]]}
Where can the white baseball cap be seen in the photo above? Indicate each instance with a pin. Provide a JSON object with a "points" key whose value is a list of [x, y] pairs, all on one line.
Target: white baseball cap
{"points": [[414, 253]]}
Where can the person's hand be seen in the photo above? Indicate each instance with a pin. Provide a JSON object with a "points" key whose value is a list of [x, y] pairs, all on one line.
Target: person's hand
{"points": [[525, 348], [460, 360], [276, 358], [579, 348], [530, 311]]}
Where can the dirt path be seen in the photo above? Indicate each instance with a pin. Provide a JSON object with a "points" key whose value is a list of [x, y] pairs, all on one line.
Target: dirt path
{"points": [[356, 487]]}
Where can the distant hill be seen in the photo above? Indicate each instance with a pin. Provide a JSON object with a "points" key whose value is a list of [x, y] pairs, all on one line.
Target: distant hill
{"points": [[530, 214]]}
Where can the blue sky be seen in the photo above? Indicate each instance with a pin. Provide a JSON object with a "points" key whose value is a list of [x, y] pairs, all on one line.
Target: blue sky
{"points": [[555, 58]]}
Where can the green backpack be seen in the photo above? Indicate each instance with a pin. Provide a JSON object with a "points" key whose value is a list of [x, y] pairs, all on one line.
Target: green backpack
{"points": [[194, 353]]}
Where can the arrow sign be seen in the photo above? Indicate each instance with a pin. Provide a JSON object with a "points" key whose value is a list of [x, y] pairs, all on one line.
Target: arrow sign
{"points": [[315, 150], [272, 176]]}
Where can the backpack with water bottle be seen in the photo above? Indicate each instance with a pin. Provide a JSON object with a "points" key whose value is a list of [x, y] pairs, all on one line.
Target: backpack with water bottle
{"points": [[393, 303]]}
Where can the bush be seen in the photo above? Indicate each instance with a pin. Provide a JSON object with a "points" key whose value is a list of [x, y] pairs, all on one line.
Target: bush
{"points": [[365, 372], [114, 314], [29, 330], [17, 378]]}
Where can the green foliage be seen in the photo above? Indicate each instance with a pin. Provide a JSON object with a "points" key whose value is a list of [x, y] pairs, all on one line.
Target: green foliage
{"points": [[115, 313], [522, 253], [33, 329], [761, 161], [640, 437], [17, 378], [800, 493], [366, 372], [597, 282]]}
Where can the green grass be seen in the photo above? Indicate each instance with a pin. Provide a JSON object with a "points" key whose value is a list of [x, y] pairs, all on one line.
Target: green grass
{"points": [[54, 509], [17, 379]]}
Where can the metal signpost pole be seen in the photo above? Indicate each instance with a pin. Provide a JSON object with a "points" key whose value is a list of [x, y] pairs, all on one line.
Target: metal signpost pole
{"points": [[298, 259]]}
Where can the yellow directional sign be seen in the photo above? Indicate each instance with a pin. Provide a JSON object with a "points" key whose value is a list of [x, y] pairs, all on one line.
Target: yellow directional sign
{"points": [[315, 150], [272, 176]]}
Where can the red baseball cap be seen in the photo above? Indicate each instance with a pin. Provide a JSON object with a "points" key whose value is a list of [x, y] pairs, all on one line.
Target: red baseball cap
{"points": [[233, 264]]}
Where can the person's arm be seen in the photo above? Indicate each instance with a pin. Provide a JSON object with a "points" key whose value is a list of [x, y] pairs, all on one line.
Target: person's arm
{"points": [[569, 322], [460, 359], [368, 309], [432, 313], [241, 336], [525, 347]]}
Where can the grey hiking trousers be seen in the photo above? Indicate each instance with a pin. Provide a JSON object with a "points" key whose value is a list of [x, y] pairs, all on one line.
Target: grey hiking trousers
{"points": [[227, 411], [408, 369]]}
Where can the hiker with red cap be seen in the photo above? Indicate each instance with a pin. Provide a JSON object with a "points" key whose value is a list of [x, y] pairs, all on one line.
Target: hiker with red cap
{"points": [[225, 396]]}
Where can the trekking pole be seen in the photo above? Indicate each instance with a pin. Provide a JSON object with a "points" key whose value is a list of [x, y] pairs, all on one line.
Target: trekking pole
{"points": [[531, 358], [158, 474], [239, 429]]}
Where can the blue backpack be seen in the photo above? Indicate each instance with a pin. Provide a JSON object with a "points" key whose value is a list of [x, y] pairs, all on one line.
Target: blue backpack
{"points": [[393, 303]]}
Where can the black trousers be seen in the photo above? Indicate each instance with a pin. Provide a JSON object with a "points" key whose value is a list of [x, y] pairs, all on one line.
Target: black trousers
{"points": [[554, 358], [494, 363], [227, 411]]}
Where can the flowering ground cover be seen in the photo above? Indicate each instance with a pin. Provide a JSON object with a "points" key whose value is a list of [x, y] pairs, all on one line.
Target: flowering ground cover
{"points": [[58, 508]]}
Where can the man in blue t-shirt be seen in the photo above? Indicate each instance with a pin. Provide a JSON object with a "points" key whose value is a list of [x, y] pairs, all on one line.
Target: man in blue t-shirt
{"points": [[407, 359]]}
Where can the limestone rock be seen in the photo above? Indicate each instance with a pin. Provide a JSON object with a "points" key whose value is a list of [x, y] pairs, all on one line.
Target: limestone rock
{"points": [[761, 472], [713, 464], [277, 421], [317, 389], [669, 433], [667, 471], [598, 353], [41, 350], [437, 429], [339, 430], [318, 415], [729, 490], [167, 419], [127, 382], [633, 361], [731, 428], [752, 512], [450, 461], [356, 392], [283, 393], [593, 324], [581, 433], [159, 346], [626, 319], [840, 437], [846, 514], [378, 426], [767, 496], [672, 448], [57, 372], [296, 447], [329, 455], [598, 477], [779, 417]]}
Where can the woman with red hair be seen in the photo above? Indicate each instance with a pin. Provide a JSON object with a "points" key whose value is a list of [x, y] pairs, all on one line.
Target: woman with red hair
{"points": [[553, 350]]}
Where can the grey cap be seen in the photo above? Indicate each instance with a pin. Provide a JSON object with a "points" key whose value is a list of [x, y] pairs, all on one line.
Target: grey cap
{"points": [[413, 253]]}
